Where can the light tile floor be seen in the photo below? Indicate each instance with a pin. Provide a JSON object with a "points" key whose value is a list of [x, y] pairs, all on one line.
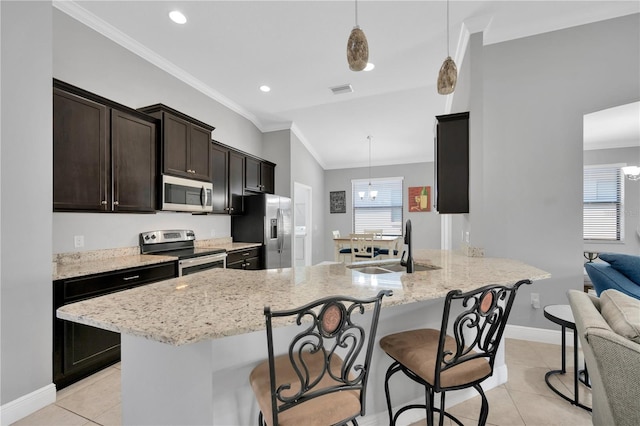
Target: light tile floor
{"points": [[524, 400]]}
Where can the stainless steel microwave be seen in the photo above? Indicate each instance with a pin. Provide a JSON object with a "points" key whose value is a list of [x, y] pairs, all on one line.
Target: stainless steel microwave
{"points": [[186, 195]]}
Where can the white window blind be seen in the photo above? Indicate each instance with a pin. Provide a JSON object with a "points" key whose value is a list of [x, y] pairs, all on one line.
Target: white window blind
{"points": [[385, 212], [603, 195]]}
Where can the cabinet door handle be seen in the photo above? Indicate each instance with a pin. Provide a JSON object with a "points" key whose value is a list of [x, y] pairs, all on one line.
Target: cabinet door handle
{"points": [[246, 254], [133, 277], [103, 202], [116, 203]]}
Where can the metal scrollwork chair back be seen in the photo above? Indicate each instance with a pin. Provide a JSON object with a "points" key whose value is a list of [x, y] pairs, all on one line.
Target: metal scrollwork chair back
{"points": [[461, 354], [322, 377]]}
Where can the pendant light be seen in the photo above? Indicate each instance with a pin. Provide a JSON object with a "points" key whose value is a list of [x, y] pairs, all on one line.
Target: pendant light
{"points": [[357, 47], [372, 194], [448, 75]]}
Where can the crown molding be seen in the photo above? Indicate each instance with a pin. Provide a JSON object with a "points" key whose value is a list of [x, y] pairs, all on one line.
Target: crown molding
{"points": [[296, 131], [82, 15], [469, 26]]}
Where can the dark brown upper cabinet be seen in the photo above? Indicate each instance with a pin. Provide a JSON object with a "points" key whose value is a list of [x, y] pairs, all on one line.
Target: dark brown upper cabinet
{"points": [[452, 163], [259, 175], [185, 143], [228, 179], [104, 154]]}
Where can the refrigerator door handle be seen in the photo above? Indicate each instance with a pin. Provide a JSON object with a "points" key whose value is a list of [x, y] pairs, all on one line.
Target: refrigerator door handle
{"points": [[282, 243], [278, 230]]}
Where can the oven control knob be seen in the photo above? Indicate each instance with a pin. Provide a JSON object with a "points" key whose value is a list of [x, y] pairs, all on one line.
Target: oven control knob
{"points": [[153, 237], [146, 237]]}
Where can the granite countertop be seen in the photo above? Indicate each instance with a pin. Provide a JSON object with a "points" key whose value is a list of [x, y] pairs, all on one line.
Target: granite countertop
{"points": [[108, 264], [78, 264], [225, 302]]}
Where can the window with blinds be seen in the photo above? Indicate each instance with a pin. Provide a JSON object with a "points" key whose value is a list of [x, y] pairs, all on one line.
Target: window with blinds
{"points": [[385, 212], [603, 196]]}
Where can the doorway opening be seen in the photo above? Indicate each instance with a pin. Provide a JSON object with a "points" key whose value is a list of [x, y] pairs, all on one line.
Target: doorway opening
{"points": [[303, 235]]}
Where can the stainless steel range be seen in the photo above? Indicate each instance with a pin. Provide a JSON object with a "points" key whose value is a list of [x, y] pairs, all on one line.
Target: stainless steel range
{"points": [[180, 243]]}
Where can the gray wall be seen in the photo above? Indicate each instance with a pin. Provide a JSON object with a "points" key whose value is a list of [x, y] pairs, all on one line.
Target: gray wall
{"points": [[85, 58], [631, 213], [425, 225], [25, 221], [536, 91]]}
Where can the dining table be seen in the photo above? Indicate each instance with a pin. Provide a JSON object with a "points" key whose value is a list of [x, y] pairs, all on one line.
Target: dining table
{"points": [[390, 242]]}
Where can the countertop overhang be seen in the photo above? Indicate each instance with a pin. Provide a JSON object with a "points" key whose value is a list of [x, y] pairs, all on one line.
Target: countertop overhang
{"points": [[225, 302]]}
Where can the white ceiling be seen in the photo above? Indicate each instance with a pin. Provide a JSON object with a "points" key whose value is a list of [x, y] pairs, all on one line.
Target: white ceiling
{"points": [[228, 49], [616, 127]]}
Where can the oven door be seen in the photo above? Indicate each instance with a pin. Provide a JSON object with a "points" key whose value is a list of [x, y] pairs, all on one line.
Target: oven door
{"points": [[185, 195], [202, 263]]}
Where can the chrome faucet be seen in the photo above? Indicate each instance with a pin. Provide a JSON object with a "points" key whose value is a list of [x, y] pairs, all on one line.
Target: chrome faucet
{"points": [[407, 240]]}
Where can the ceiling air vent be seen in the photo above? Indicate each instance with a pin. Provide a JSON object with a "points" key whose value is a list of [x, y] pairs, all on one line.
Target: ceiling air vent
{"points": [[338, 90]]}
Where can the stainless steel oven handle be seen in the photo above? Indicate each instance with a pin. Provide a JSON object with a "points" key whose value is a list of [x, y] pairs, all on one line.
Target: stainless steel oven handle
{"points": [[203, 260], [196, 261]]}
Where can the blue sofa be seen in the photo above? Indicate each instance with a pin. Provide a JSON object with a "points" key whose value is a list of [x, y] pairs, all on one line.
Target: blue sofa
{"points": [[618, 271]]}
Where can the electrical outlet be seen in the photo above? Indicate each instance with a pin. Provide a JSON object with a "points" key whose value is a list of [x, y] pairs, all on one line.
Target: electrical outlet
{"points": [[78, 241], [535, 300], [466, 237]]}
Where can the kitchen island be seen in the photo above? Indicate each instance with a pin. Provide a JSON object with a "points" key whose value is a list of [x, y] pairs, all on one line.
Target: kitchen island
{"points": [[189, 343]]}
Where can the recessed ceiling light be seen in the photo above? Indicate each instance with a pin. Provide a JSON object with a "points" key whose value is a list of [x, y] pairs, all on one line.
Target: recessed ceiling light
{"points": [[369, 66], [265, 88], [177, 17]]}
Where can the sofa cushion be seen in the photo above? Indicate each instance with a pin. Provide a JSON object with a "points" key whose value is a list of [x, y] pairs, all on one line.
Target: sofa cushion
{"points": [[604, 276], [622, 313], [628, 264]]}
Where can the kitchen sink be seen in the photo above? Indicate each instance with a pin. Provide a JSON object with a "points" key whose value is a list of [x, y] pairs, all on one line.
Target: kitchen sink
{"points": [[389, 268]]}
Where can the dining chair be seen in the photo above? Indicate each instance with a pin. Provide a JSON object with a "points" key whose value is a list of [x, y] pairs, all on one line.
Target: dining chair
{"points": [[377, 233], [321, 376], [362, 247], [343, 252], [443, 362], [392, 252]]}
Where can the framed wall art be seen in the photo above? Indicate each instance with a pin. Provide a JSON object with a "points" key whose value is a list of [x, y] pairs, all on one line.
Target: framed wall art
{"points": [[337, 202], [419, 199]]}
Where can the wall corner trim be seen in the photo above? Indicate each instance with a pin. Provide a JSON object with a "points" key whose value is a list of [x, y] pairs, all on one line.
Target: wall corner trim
{"points": [[21, 407]]}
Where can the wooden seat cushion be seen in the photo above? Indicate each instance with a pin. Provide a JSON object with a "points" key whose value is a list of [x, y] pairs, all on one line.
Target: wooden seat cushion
{"points": [[417, 350], [324, 410]]}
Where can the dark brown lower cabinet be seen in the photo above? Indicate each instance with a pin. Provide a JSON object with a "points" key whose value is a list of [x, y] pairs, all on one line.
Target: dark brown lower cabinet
{"points": [[249, 259], [80, 350]]}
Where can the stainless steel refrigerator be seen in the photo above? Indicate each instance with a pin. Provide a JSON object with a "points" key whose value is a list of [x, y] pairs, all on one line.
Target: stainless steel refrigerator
{"points": [[267, 220]]}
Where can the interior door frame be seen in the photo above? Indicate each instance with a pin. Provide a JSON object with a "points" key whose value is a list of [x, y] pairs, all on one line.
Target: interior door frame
{"points": [[298, 189]]}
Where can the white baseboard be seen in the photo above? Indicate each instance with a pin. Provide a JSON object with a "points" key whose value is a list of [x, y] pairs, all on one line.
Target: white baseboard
{"points": [[19, 408], [540, 335]]}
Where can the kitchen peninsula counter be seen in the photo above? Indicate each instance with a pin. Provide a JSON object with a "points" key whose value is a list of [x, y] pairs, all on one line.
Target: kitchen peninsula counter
{"points": [[190, 343], [223, 302]]}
